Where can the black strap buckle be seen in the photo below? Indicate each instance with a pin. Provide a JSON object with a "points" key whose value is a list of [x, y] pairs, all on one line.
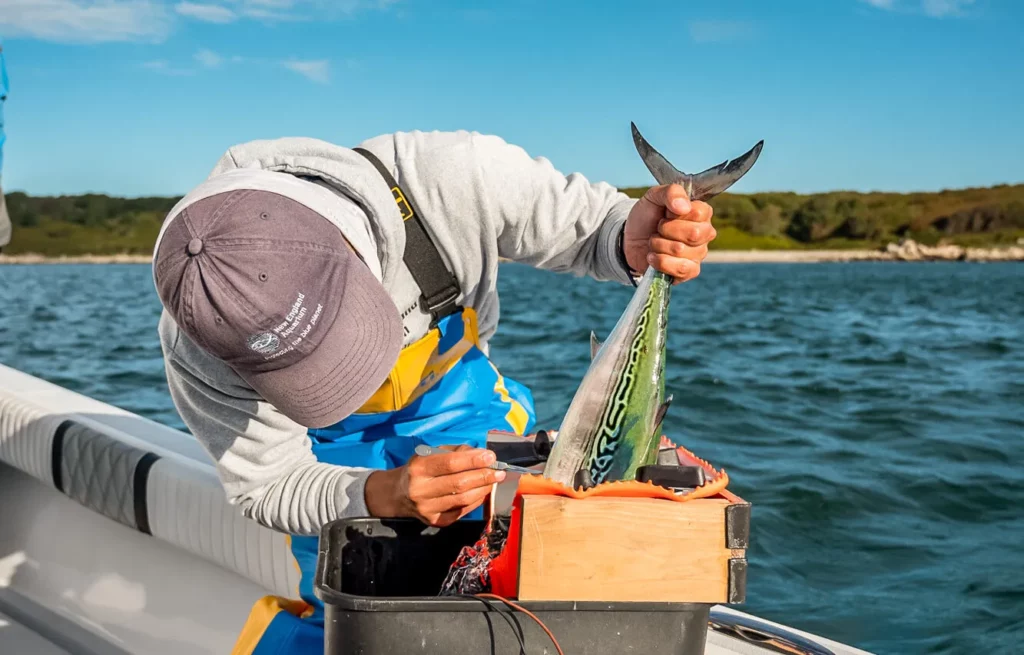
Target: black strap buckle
{"points": [[404, 208], [437, 304]]}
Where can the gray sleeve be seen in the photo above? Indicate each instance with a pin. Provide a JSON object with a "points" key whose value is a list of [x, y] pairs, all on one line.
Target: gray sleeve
{"points": [[546, 219], [264, 459]]}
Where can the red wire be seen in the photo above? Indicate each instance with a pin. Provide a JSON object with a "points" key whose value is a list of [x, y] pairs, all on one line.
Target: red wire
{"points": [[527, 613]]}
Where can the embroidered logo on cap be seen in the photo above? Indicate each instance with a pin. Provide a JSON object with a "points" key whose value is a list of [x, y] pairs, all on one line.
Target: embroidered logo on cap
{"points": [[264, 343]]}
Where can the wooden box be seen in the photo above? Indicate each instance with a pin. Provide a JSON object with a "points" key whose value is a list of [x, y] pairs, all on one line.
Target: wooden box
{"points": [[634, 549]]}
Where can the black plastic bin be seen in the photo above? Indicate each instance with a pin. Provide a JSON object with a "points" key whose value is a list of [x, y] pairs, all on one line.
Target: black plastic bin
{"points": [[379, 579]]}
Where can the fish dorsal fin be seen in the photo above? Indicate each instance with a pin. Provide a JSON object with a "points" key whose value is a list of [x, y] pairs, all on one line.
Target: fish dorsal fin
{"points": [[595, 345], [703, 185], [662, 410]]}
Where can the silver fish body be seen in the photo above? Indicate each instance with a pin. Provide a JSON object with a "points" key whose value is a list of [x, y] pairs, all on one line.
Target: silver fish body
{"points": [[610, 427]]}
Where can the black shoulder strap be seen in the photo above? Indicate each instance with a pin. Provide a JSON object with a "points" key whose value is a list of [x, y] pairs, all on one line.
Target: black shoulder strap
{"points": [[439, 287]]}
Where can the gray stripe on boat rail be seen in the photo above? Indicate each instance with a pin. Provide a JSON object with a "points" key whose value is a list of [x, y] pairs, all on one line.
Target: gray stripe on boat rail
{"points": [[102, 473], [57, 454]]}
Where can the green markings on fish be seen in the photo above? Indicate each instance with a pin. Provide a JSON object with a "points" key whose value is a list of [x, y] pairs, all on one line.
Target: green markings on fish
{"points": [[611, 428], [625, 436]]}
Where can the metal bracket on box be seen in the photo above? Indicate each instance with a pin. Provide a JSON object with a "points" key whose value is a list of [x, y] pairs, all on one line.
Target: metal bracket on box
{"points": [[737, 526]]}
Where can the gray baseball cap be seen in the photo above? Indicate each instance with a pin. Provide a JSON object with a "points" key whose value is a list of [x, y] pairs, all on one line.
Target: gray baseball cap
{"points": [[272, 288]]}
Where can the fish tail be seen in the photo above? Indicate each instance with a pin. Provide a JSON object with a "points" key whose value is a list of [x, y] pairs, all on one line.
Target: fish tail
{"points": [[700, 186]]}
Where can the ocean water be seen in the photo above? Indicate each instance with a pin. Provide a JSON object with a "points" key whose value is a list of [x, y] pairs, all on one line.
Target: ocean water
{"points": [[873, 414]]}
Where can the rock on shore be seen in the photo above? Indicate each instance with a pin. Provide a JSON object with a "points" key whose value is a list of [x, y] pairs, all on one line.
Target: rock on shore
{"points": [[908, 250]]}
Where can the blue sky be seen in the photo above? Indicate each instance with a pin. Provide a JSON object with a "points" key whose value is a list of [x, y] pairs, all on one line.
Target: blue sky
{"points": [[141, 97]]}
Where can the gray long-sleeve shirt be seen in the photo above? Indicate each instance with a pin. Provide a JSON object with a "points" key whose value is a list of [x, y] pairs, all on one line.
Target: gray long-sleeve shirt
{"points": [[482, 200]]}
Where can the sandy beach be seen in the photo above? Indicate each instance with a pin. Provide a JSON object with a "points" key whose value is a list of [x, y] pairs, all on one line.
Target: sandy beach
{"points": [[818, 256], [792, 256], [31, 258], [905, 251]]}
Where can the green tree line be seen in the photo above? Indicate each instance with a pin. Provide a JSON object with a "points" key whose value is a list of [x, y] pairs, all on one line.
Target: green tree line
{"points": [[89, 224], [103, 225]]}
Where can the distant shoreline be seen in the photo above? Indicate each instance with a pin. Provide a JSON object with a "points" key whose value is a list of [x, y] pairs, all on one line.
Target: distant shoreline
{"points": [[947, 254], [906, 251]]}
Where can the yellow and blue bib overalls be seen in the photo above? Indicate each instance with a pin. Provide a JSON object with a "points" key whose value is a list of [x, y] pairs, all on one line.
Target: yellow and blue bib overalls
{"points": [[443, 390]]}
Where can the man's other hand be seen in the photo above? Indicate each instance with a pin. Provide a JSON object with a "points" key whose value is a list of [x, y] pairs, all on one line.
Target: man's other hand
{"points": [[668, 231], [436, 489]]}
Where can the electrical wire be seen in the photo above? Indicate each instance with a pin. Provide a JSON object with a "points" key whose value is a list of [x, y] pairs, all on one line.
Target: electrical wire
{"points": [[509, 617], [527, 613]]}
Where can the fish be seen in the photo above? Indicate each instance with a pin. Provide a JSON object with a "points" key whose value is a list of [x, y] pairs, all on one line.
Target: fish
{"points": [[612, 425]]}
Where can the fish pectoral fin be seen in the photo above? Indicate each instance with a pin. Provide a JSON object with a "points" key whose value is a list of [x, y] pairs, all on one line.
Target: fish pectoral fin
{"points": [[595, 345], [703, 185], [662, 410]]}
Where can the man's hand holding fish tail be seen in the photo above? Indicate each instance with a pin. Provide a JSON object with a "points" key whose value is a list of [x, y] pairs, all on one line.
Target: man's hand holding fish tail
{"points": [[668, 231]]}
